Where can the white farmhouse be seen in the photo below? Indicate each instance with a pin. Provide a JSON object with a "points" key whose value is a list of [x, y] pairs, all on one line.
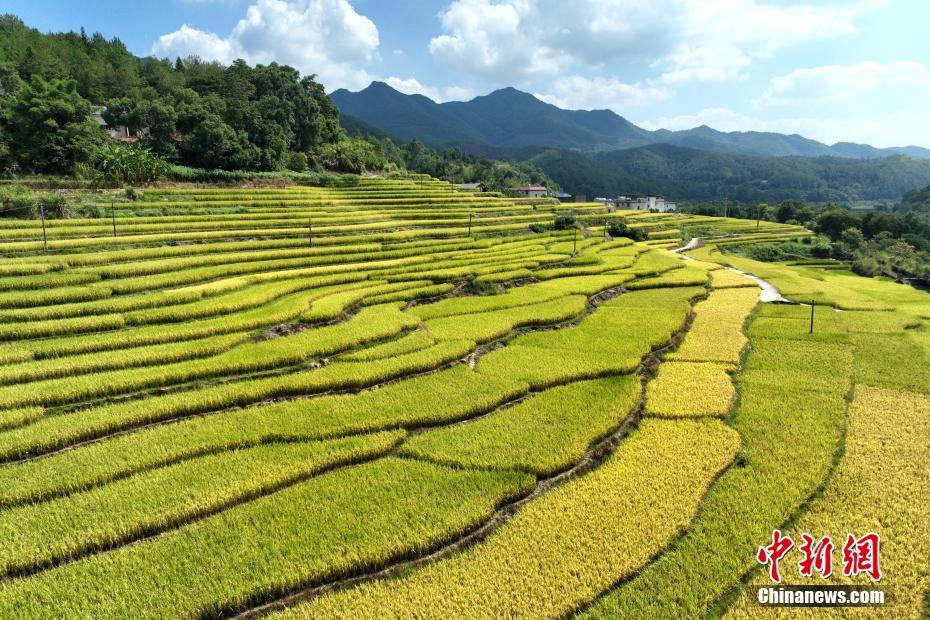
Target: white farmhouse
{"points": [[645, 202], [531, 191]]}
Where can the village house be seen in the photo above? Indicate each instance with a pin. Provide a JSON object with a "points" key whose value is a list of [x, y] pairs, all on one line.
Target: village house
{"points": [[645, 202], [531, 191], [117, 132]]}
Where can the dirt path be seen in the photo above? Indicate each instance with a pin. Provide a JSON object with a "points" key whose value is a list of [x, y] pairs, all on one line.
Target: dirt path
{"points": [[694, 244], [770, 293]]}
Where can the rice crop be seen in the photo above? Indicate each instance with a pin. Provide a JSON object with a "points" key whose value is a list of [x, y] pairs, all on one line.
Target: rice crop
{"points": [[689, 389], [340, 523], [565, 547], [543, 434], [370, 324], [39, 535], [217, 408], [435, 398], [879, 486], [52, 432], [712, 337]]}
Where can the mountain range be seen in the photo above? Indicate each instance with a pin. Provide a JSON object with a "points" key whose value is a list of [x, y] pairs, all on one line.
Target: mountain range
{"points": [[508, 119]]}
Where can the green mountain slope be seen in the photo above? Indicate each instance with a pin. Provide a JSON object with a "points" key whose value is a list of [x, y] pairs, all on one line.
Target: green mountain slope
{"points": [[509, 119], [691, 174]]}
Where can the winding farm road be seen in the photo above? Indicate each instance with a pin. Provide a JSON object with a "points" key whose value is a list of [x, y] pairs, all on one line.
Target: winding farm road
{"points": [[770, 293]]}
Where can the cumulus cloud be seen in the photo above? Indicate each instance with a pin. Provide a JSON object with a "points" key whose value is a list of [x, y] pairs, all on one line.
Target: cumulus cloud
{"points": [[412, 86], [837, 83], [187, 41], [516, 41], [491, 41], [599, 92], [325, 37]]}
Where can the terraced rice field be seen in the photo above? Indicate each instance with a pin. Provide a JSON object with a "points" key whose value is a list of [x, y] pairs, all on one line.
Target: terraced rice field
{"points": [[395, 400]]}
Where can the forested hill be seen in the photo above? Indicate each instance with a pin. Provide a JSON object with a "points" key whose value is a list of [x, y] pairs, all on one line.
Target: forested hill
{"points": [[235, 117], [916, 200], [203, 115], [511, 119], [691, 174]]}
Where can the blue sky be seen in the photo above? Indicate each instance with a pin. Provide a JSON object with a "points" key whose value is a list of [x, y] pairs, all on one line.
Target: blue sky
{"points": [[832, 70]]}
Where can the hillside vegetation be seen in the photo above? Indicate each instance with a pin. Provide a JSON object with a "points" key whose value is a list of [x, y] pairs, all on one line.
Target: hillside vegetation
{"points": [[194, 114], [694, 175], [599, 153], [510, 119]]}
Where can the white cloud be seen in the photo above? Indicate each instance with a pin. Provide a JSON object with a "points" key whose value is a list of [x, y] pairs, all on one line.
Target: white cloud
{"points": [[839, 83], [187, 41], [459, 93], [325, 37], [412, 86], [723, 119], [516, 41], [581, 92], [490, 40], [719, 62]]}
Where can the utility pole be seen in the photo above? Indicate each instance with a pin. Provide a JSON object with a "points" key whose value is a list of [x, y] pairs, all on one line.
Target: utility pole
{"points": [[310, 232], [575, 242], [113, 217], [469, 224], [44, 234], [812, 317]]}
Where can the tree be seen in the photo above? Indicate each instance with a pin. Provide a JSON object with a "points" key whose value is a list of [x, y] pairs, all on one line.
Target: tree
{"points": [[853, 238], [10, 85], [902, 257], [216, 145], [621, 229], [51, 127], [296, 162], [833, 221]]}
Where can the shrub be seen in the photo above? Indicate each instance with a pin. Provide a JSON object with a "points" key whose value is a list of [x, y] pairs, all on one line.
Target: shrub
{"points": [[620, 228], [867, 266], [821, 247], [475, 286], [55, 205], [90, 211], [564, 222], [296, 162], [17, 202]]}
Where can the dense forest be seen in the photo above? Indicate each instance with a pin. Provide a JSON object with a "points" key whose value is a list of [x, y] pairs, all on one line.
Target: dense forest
{"points": [[186, 113], [696, 175]]}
